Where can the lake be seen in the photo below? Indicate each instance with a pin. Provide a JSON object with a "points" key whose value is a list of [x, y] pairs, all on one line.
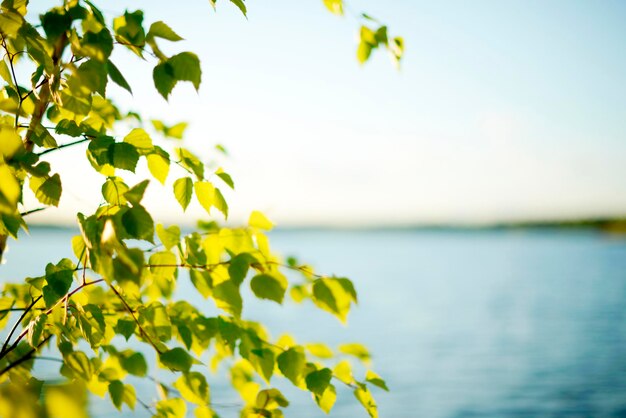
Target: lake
{"points": [[460, 323]]}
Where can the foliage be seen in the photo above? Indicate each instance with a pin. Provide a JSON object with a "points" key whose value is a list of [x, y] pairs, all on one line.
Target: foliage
{"points": [[120, 287]]}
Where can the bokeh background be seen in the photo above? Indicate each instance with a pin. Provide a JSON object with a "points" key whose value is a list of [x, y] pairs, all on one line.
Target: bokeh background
{"points": [[502, 112]]}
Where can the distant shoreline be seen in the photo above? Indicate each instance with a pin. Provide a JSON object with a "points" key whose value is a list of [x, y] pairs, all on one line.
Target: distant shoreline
{"points": [[607, 225]]}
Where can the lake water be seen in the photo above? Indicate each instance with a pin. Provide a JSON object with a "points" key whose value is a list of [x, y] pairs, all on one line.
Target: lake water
{"points": [[460, 324]]}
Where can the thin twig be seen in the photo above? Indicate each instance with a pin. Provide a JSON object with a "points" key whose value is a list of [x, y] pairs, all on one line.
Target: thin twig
{"points": [[131, 312], [28, 212], [26, 357], [4, 352], [69, 144], [17, 323]]}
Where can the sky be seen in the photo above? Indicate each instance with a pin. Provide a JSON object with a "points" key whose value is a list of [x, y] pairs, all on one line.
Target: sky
{"points": [[501, 111]]}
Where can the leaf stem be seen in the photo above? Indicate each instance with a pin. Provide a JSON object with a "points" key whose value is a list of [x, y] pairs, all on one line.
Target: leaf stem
{"points": [[131, 312]]}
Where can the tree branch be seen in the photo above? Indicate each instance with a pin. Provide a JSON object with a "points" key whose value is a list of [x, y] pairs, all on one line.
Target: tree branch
{"points": [[69, 144], [131, 312], [4, 350], [26, 356]]}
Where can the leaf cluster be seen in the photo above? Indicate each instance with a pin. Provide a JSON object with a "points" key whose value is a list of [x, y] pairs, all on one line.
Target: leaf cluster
{"points": [[102, 312]]}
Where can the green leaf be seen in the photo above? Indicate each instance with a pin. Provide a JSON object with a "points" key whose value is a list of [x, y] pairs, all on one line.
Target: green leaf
{"points": [[205, 192], [193, 387], [59, 280], [263, 361], [47, 189], [93, 75], [116, 76], [269, 287], [161, 30], [181, 67], [220, 203], [42, 137], [157, 321], [98, 149], [330, 295], [35, 330], [364, 396], [113, 191], [55, 23], [202, 282], [376, 380], [170, 236], [121, 393], [163, 264], [128, 265], [138, 223], [10, 22], [134, 363], [187, 68], [123, 155], [125, 327], [270, 399], [140, 140], [318, 381], [191, 161], [97, 45], [226, 178], [129, 31], [79, 363], [116, 391], [291, 364], [228, 298], [183, 190], [177, 359], [239, 265], [135, 194], [258, 220], [240, 4]]}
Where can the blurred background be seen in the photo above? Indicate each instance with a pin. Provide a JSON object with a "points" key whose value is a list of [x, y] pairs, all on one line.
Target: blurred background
{"points": [[453, 191]]}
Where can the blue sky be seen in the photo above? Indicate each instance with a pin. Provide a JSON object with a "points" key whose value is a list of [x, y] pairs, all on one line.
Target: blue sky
{"points": [[501, 111]]}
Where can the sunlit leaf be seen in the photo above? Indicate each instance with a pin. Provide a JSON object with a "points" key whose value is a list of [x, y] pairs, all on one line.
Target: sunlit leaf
{"points": [[334, 6], [269, 287], [376, 380], [176, 359], [161, 30], [183, 190], [291, 364], [317, 381], [258, 220], [193, 387]]}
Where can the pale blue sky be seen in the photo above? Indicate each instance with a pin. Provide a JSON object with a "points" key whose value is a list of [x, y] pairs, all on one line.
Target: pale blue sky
{"points": [[501, 111]]}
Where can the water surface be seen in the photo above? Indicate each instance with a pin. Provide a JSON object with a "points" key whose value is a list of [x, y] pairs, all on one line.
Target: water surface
{"points": [[460, 324]]}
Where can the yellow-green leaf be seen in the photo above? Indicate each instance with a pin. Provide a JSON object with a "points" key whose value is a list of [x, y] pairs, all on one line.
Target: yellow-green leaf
{"points": [[364, 396], [327, 399], [205, 192], [334, 6], [258, 220], [47, 189], [159, 164], [183, 190], [193, 387]]}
